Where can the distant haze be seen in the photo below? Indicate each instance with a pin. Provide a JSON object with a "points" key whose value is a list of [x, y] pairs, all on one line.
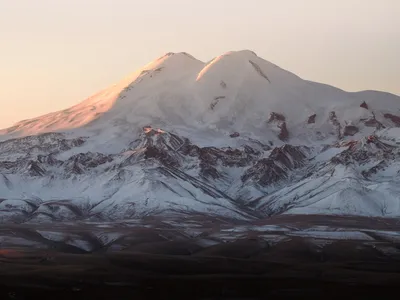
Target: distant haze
{"points": [[56, 53]]}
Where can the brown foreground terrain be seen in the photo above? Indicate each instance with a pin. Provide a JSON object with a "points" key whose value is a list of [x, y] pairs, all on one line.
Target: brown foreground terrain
{"points": [[200, 258]]}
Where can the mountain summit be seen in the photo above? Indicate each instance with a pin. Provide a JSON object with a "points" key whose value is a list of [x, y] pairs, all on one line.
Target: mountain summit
{"points": [[235, 91], [237, 136]]}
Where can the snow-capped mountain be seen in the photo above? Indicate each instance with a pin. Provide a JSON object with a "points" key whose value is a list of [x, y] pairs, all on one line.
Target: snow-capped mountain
{"points": [[237, 136]]}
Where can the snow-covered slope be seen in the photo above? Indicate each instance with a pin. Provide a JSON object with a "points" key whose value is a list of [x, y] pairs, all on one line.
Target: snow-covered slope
{"points": [[236, 136]]}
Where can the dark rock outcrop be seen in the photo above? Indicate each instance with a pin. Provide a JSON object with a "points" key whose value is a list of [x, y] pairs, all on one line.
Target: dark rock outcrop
{"points": [[34, 169], [49, 159], [279, 121], [74, 168], [276, 117], [311, 119], [259, 70], [333, 118], [216, 101], [335, 122], [43, 143], [284, 133], [375, 169], [372, 122], [395, 119], [90, 159], [82, 162], [277, 166], [148, 131], [361, 152], [161, 155], [350, 130], [364, 105]]}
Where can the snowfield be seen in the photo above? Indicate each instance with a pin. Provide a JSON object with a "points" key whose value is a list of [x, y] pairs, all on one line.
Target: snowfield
{"points": [[237, 137]]}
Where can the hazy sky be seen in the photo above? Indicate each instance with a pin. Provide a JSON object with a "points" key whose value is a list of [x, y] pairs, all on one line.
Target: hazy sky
{"points": [[54, 53]]}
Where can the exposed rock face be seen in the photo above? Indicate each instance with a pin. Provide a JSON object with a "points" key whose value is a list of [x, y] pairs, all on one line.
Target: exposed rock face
{"points": [[34, 169], [212, 158], [334, 121], [365, 150], [90, 159], [149, 131], [372, 122], [350, 130], [161, 155], [48, 143], [169, 163], [364, 105], [276, 117], [216, 101], [284, 133], [234, 135], [333, 118], [74, 168], [279, 121], [375, 169], [311, 119], [290, 156], [173, 152], [259, 70], [395, 119], [228, 157], [49, 159], [277, 166]]}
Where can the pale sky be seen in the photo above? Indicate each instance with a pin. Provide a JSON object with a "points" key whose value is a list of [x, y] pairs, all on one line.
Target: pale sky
{"points": [[55, 53]]}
